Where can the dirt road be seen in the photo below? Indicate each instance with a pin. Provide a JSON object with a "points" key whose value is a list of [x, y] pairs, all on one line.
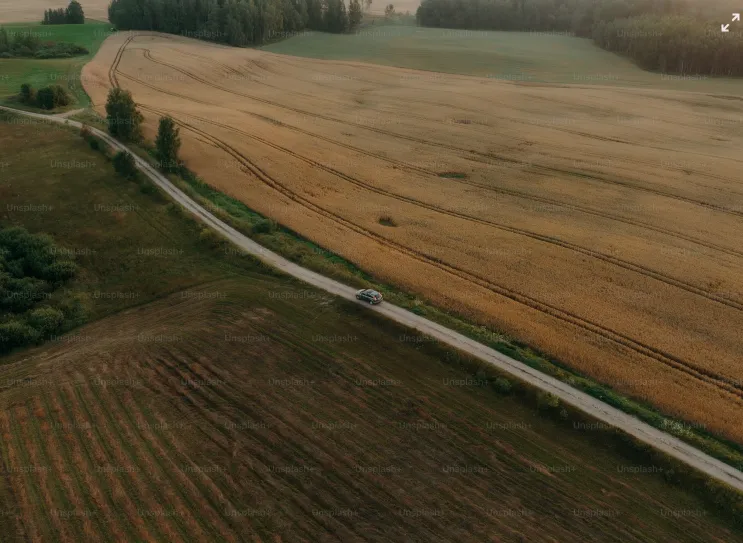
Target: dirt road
{"points": [[601, 411]]}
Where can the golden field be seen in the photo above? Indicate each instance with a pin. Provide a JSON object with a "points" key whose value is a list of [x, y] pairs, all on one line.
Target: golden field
{"points": [[598, 224]]}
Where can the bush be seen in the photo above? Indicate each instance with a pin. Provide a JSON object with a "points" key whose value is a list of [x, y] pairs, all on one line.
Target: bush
{"points": [[547, 401], [45, 320], [124, 164], [28, 94], [52, 97], [503, 385], [264, 226], [17, 334]]}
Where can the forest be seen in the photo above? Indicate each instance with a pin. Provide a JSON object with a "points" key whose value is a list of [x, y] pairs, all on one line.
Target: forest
{"points": [[669, 36], [235, 22]]}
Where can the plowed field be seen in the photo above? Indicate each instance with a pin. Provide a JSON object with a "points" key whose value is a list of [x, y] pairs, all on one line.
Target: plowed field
{"points": [[601, 225]]}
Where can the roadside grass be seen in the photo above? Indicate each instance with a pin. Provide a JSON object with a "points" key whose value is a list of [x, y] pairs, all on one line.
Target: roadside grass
{"points": [[62, 71], [519, 57], [380, 384]]}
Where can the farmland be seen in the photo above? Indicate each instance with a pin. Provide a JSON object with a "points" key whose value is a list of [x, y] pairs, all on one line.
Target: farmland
{"points": [[595, 223], [519, 57], [224, 402], [60, 71]]}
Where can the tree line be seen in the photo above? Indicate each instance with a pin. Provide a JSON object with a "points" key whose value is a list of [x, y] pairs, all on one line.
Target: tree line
{"points": [[72, 15], [235, 22], [672, 36]]}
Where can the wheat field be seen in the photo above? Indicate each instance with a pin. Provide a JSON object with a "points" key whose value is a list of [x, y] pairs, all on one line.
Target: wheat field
{"points": [[599, 225]]}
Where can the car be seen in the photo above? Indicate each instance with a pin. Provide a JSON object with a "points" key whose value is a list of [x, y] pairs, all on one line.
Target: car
{"points": [[369, 295]]}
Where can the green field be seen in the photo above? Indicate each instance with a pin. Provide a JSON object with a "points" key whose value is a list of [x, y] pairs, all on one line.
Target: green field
{"points": [[195, 435], [508, 56], [61, 71]]}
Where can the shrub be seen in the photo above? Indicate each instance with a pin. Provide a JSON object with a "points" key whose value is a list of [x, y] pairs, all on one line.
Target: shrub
{"points": [[15, 333], [124, 164], [28, 94], [503, 385], [264, 226], [60, 271], [45, 320], [546, 401], [52, 97]]}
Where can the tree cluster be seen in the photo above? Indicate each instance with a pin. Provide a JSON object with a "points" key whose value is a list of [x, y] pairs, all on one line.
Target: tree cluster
{"points": [[49, 97], [27, 44], [234, 22], [32, 268], [672, 36], [72, 15]]}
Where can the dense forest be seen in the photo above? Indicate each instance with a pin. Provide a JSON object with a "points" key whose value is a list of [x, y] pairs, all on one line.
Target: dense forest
{"points": [[235, 22], [671, 36]]}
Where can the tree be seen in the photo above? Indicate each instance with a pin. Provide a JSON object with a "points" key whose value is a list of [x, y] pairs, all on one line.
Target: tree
{"points": [[168, 143], [389, 10], [28, 95], [336, 18], [123, 163], [124, 120], [74, 14], [4, 41], [354, 13], [52, 96]]}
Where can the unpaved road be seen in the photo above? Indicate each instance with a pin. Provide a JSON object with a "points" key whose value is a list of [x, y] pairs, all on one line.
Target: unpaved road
{"points": [[596, 408]]}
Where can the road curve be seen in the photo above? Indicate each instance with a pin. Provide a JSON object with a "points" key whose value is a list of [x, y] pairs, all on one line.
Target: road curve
{"points": [[603, 412]]}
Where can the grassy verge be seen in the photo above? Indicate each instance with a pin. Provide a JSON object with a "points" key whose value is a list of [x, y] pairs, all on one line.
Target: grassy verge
{"points": [[62, 71]]}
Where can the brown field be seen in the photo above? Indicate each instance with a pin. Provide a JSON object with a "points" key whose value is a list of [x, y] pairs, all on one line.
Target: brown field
{"points": [[600, 225], [13, 11], [151, 426]]}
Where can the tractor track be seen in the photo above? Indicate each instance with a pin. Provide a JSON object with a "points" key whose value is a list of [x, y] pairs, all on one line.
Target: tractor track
{"points": [[501, 158], [637, 268], [702, 374]]}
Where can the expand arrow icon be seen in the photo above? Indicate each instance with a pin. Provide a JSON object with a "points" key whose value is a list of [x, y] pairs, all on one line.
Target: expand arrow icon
{"points": [[725, 28], [736, 17]]}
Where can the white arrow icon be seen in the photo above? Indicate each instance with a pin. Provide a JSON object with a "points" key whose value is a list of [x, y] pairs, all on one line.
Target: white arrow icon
{"points": [[736, 17], [725, 28]]}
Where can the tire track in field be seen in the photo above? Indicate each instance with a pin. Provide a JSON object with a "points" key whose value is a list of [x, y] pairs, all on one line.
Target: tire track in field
{"points": [[594, 177], [551, 240], [501, 190], [700, 373], [410, 167], [637, 268]]}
